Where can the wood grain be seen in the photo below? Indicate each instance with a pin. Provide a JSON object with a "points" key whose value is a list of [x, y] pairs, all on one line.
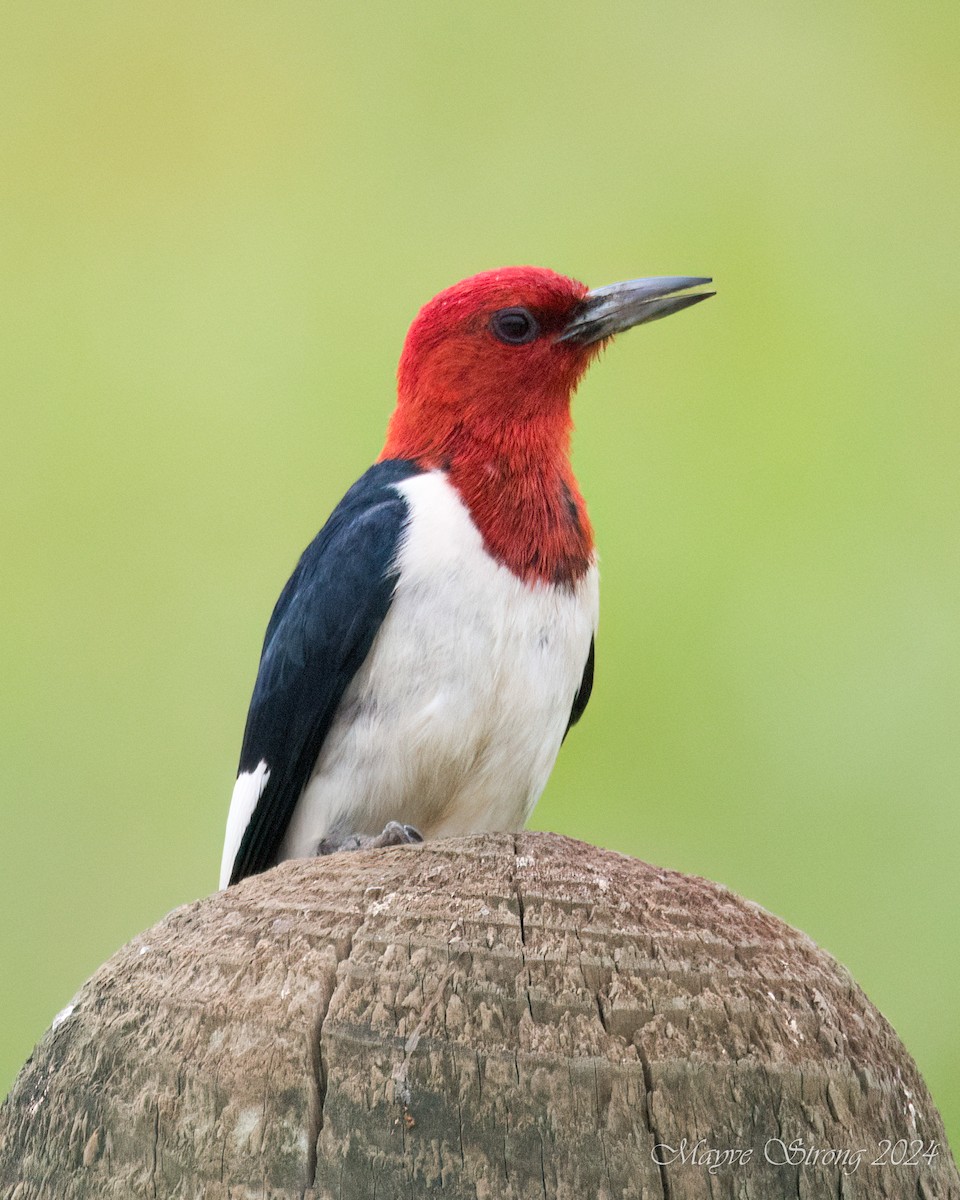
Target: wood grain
{"points": [[487, 1017]]}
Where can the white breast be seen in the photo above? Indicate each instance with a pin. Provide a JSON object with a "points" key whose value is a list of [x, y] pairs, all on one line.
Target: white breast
{"points": [[455, 719]]}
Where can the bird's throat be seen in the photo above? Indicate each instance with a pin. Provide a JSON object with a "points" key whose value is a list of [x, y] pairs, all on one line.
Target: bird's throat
{"points": [[513, 475], [532, 520]]}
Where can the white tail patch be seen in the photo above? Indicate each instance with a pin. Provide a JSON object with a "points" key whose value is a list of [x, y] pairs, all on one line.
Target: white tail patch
{"points": [[246, 793]]}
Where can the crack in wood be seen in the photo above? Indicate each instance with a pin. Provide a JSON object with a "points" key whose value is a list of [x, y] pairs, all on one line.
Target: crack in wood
{"points": [[651, 1123], [319, 1071], [516, 888]]}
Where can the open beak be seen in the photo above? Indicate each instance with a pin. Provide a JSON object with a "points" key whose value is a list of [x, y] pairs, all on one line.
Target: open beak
{"points": [[618, 306]]}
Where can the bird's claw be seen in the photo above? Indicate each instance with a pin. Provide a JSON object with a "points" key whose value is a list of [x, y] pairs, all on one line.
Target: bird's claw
{"points": [[394, 834]]}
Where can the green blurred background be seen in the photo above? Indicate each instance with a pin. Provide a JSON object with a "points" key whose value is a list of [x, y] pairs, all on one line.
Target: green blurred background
{"points": [[218, 221]]}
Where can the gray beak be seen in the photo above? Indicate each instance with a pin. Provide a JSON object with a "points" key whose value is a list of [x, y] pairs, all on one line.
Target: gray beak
{"points": [[618, 306]]}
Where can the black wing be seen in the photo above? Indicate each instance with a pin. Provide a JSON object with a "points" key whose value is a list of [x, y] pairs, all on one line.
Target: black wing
{"points": [[583, 692], [318, 636]]}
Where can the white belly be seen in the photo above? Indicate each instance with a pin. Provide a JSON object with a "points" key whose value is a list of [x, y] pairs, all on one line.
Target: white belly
{"points": [[454, 721]]}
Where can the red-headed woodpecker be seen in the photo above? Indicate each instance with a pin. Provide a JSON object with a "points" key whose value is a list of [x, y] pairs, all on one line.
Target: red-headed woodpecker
{"points": [[436, 640]]}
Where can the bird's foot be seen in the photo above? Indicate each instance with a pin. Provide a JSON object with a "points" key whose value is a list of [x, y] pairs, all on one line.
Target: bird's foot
{"points": [[394, 834]]}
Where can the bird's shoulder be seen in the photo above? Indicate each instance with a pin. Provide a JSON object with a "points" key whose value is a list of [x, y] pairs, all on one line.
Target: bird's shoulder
{"points": [[356, 544]]}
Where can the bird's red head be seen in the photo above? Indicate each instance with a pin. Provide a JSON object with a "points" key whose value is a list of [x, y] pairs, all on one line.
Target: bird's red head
{"points": [[482, 363], [484, 392], [485, 381]]}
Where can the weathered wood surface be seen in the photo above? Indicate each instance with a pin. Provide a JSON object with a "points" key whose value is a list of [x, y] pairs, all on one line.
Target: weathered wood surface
{"points": [[499, 1018]]}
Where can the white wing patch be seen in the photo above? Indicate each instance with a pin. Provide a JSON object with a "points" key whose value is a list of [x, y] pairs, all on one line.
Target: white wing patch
{"points": [[246, 793]]}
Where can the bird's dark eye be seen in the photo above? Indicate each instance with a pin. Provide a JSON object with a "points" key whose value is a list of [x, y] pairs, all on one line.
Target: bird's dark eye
{"points": [[515, 326]]}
